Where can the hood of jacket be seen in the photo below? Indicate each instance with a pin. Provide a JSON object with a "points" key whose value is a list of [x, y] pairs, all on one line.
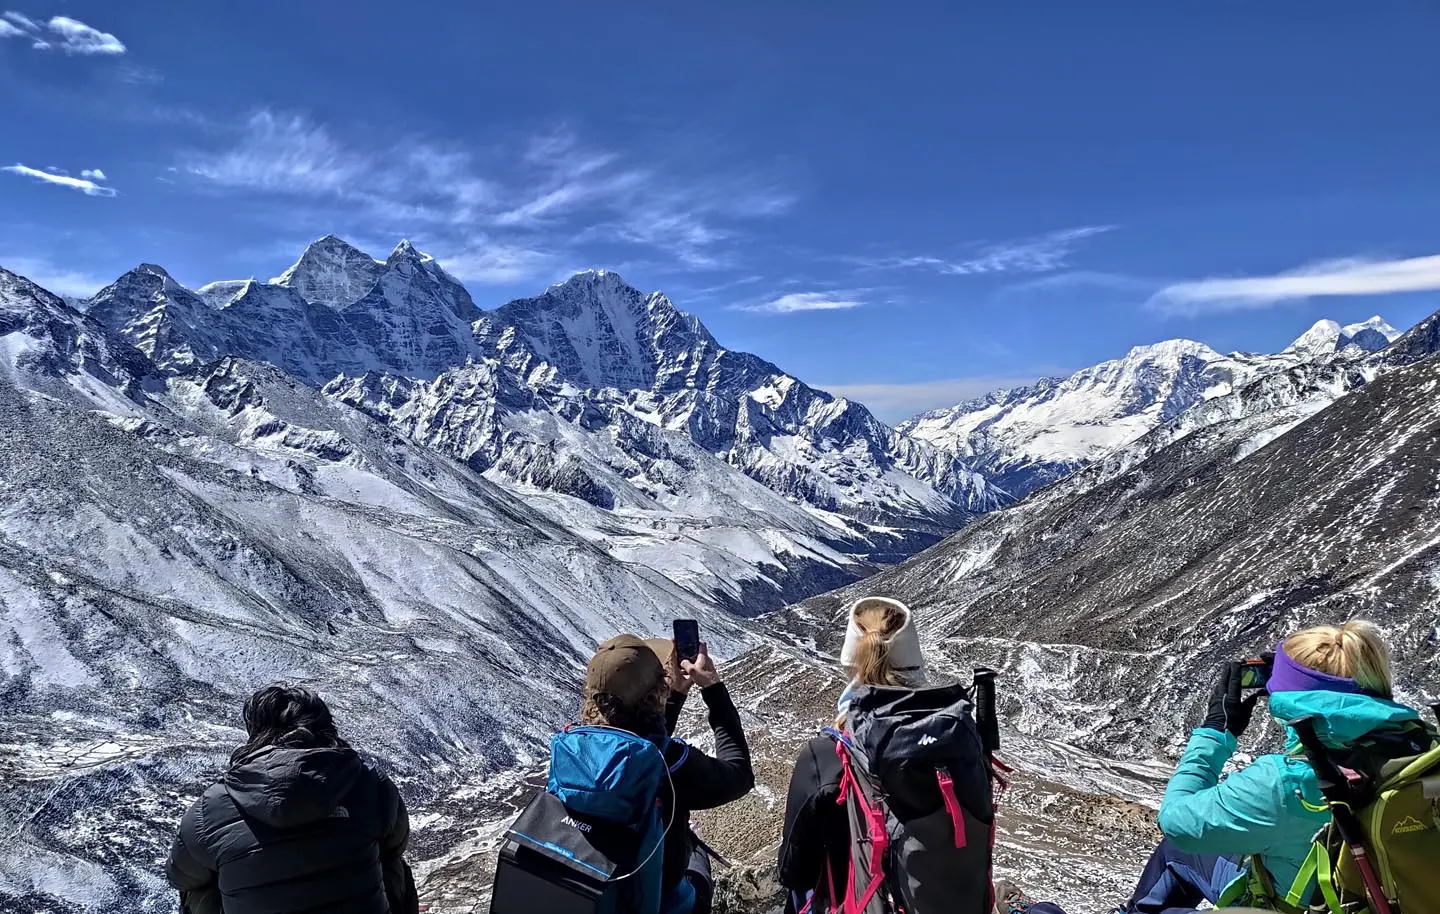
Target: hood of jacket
{"points": [[286, 788], [1340, 718]]}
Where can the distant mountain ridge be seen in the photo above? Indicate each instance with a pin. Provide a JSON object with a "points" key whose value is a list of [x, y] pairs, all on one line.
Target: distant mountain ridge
{"points": [[1025, 438], [595, 355]]}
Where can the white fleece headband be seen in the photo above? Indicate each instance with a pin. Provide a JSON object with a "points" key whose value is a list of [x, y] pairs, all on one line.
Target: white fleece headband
{"points": [[905, 655]]}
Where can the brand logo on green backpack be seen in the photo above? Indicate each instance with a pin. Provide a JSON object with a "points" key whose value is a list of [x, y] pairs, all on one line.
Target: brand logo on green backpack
{"points": [[1408, 826]]}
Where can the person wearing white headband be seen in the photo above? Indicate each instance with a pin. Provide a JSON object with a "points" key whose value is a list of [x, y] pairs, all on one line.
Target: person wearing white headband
{"points": [[881, 648]]}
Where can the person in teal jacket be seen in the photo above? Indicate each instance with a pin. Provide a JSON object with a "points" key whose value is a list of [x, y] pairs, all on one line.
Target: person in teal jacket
{"points": [[1244, 839]]}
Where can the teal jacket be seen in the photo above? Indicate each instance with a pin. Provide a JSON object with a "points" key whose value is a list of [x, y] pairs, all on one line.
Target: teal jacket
{"points": [[1259, 810]]}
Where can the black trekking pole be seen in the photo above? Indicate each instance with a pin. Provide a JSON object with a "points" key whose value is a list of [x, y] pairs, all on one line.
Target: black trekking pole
{"points": [[1435, 709], [1336, 788], [987, 721]]}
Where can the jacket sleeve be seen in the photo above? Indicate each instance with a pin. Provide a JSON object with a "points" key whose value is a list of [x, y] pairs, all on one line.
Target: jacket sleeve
{"points": [[673, 706], [191, 869], [399, 880], [703, 782], [809, 812], [1201, 814]]}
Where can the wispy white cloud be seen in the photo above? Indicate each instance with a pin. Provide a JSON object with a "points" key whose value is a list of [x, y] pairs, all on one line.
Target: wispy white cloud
{"points": [[488, 263], [93, 174], [556, 200], [893, 402], [1039, 254], [70, 35], [78, 38], [285, 155], [84, 185], [796, 302], [704, 293], [60, 280], [1354, 276], [20, 19], [1085, 279]]}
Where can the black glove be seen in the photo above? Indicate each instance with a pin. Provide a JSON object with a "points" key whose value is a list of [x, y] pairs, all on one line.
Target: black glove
{"points": [[1229, 711]]}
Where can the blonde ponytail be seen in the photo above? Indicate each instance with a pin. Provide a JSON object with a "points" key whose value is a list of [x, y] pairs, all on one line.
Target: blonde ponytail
{"points": [[872, 663], [1355, 650]]}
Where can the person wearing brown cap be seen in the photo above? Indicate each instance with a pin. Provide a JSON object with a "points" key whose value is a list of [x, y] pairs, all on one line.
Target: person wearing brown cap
{"points": [[639, 686]]}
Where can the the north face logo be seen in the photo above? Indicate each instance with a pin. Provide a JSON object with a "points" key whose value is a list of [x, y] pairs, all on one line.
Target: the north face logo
{"points": [[928, 740], [575, 824], [340, 813], [1408, 826]]}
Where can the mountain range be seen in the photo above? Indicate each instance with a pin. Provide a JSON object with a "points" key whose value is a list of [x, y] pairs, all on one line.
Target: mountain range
{"points": [[1025, 438], [591, 389], [352, 475]]}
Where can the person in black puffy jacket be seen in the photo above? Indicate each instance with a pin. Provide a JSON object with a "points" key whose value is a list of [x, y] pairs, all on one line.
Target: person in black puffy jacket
{"points": [[299, 822]]}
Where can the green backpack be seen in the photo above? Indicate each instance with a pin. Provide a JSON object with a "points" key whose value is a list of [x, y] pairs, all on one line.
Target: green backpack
{"points": [[1395, 799], [1402, 833], [1392, 786]]}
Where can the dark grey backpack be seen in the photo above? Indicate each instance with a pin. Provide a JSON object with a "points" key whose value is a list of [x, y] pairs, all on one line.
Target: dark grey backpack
{"points": [[917, 782]]}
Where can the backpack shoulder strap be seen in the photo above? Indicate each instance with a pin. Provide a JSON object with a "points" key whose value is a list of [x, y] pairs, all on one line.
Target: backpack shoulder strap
{"points": [[868, 811]]}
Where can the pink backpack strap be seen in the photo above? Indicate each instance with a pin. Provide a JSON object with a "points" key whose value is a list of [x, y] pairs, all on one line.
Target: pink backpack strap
{"points": [[952, 805], [874, 818]]}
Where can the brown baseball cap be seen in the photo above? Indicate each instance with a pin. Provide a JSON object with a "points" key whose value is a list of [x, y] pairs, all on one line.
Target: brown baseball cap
{"points": [[625, 667], [663, 648]]}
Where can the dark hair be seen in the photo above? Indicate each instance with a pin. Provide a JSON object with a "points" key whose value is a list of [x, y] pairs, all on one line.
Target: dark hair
{"points": [[284, 716], [606, 710]]}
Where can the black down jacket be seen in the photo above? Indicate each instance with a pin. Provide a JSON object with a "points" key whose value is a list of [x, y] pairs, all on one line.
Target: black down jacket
{"points": [[287, 831]]}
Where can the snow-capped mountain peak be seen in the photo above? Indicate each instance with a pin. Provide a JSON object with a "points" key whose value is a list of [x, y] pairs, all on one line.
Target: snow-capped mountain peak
{"points": [[596, 329], [217, 293], [406, 251], [1322, 337], [333, 272], [1376, 323], [1371, 336], [1171, 352], [1327, 336]]}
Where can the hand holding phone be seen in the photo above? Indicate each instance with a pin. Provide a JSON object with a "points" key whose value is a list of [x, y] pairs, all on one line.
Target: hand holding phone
{"points": [[1255, 672], [700, 671], [687, 638]]}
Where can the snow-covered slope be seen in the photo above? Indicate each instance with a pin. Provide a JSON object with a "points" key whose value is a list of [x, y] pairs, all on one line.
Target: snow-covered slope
{"points": [[1025, 438], [570, 388]]}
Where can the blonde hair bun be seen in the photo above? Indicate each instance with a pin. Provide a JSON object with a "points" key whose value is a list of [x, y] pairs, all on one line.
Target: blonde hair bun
{"points": [[1355, 650]]}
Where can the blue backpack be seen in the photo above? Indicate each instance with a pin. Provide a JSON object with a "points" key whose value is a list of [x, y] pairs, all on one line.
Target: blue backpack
{"points": [[592, 841]]}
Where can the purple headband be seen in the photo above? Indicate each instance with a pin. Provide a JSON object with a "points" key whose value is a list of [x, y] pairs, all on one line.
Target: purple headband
{"points": [[1290, 676]]}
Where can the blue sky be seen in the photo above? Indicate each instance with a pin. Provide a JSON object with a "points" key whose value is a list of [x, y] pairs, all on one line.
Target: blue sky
{"points": [[912, 207]]}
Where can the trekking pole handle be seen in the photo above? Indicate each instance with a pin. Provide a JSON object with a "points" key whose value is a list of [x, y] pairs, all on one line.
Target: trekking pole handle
{"points": [[986, 719]]}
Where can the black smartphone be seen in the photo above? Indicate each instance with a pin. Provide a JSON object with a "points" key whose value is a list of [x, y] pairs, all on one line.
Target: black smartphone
{"points": [[687, 638], [1255, 672]]}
